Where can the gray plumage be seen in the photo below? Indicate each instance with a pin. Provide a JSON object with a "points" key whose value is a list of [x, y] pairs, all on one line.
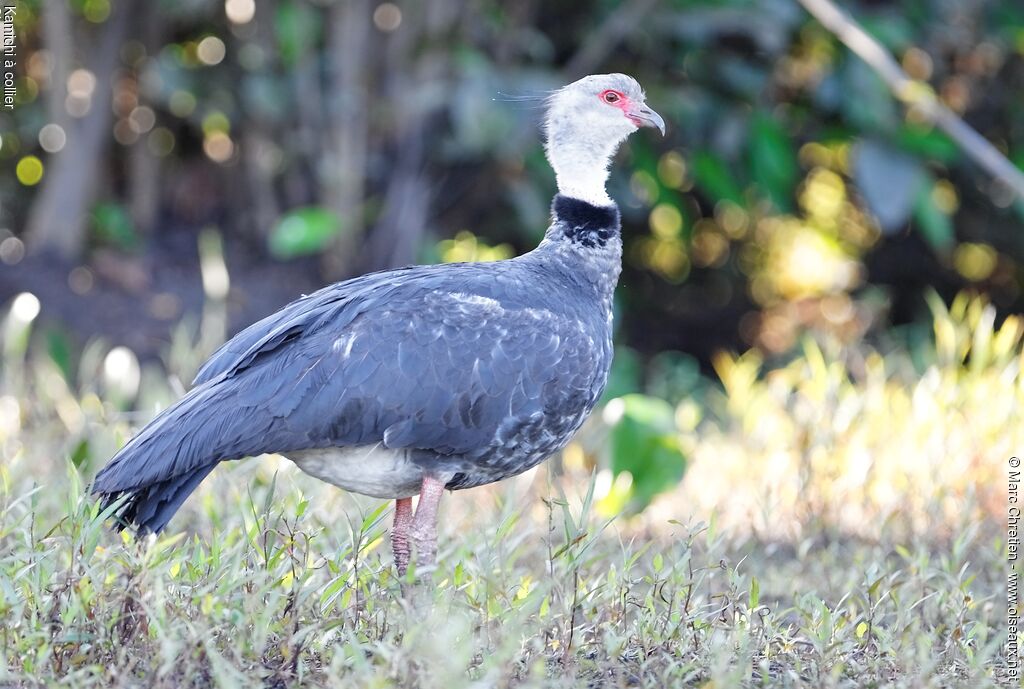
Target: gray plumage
{"points": [[482, 369], [472, 372]]}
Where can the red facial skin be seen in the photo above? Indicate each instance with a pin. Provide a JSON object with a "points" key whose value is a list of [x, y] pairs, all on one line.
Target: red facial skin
{"points": [[619, 100]]}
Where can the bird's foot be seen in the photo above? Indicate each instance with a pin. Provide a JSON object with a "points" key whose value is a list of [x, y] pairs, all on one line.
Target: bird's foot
{"points": [[424, 545], [420, 534], [400, 535]]}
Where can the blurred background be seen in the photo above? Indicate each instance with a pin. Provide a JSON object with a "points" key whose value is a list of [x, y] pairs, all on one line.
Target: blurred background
{"points": [[794, 246]]}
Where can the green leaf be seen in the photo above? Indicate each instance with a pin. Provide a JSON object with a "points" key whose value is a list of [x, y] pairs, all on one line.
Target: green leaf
{"points": [[873, 587], [80, 453], [935, 226], [755, 593], [303, 232], [331, 592], [644, 443], [373, 518], [773, 160], [713, 177]]}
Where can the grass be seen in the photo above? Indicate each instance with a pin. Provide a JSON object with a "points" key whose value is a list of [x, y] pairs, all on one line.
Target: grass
{"points": [[839, 526]]}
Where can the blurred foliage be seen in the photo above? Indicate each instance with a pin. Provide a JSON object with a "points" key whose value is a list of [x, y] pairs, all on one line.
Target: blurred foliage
{"points": [[111, 225], [303, 231], [644, 448], [466, 246], [789, 173], [839, 434]]}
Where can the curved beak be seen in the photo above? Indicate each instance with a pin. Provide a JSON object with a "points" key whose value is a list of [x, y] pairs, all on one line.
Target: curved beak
{"points": [[643, 116]]}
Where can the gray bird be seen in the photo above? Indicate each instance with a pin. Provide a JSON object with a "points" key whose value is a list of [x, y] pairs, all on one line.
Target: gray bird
{"points": [[411, 381]]}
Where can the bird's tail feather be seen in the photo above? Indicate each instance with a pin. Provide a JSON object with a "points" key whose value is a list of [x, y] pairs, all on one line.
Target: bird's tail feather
{"points": [[148, 509], [158, 468]]}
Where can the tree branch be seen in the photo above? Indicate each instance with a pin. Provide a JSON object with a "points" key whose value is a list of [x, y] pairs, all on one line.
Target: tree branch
{"points": [[916, 94]]}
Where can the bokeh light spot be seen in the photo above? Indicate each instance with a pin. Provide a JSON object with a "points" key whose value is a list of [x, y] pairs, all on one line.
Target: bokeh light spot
{"points": [[29, 171], [211, 50], [666, 221], [27, 90], [25, 307], [240, 11], [142, 119], [182, 103], [732, 218], [218, 147], [96, 11], [801, 261], [387, 17], [160, 141], [917, 63], [823, 195], [80, 280], [975, 262], [12, 250], [644, 187], [669, 259], [124, 133], [52, 138], [710, 248], [465, 246], [672, 170], [121, 371], [944, 197], [10, 145], [216, 122], [81, 83]]}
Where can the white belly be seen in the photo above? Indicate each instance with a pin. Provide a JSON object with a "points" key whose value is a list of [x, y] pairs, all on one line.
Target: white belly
{"points": [[372, 470]]}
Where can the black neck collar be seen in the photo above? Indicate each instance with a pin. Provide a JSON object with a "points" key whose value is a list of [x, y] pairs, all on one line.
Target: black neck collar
{"points": [[585, 223]]}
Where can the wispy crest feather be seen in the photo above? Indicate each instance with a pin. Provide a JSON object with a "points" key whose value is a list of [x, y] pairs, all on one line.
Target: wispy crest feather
{"points": [[536, 99]]}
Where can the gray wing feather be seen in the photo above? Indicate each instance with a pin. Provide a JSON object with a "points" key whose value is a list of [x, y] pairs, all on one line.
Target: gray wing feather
{"points": [[300, 316], [403, 360]]}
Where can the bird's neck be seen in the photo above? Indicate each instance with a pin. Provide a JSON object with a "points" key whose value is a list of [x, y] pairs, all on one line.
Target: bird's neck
{"points": [[583, 239], [581, 166], [585, 224], [587, 187], [584, 244]]}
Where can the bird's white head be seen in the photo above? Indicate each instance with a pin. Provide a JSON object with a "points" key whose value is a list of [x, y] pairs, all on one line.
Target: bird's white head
{"points": [[586, 121]]}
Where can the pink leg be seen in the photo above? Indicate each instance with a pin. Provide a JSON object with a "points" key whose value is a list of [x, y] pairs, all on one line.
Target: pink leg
{"points": [[400, 534], [424, 524]]}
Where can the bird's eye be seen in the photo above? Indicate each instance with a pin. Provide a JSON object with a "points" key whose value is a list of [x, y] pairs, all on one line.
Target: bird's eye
{"points": [[611, 96]]}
